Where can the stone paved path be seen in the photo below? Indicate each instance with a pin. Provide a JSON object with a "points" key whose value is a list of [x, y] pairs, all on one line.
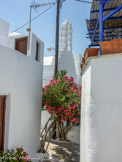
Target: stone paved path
{"points": [[64, 151]]}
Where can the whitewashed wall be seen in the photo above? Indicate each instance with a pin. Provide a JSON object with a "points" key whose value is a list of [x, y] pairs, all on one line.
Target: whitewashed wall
{"points": [[4, 29], [70, 63], [48, 73], [77, 61], [32, 46], [67, 61], [21, 81], [101, 111], [74, 135]]}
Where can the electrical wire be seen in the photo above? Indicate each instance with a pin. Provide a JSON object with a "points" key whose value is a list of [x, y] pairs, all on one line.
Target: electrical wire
{"points": [[44, 12], [34, 18], [84, 1]]}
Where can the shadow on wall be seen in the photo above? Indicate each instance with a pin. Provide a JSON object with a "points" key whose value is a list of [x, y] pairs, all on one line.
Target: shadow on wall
{"points": [[66, 62]]}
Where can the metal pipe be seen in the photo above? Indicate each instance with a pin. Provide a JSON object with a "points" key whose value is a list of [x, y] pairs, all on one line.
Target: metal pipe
{"points": [[100, 22], [112, 13], [95, 31]]}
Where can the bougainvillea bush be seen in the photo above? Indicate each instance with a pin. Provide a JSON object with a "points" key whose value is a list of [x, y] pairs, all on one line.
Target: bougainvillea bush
{"points": [[62, 98], [14, 156]]}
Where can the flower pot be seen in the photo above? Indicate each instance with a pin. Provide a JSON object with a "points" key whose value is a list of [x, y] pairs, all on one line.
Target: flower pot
{"points": [[111, 47], [90, 52]]}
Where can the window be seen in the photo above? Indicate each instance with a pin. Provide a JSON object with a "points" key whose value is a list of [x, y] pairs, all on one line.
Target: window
{"points": [[21, 45], [37, 52]]}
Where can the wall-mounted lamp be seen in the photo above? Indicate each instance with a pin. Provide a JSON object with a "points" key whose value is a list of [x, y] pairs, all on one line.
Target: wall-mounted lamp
{"points": [[50, 49]]}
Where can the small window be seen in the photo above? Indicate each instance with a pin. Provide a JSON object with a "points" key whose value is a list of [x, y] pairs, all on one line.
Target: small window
{"points": [[21, 45], [37, 52]]}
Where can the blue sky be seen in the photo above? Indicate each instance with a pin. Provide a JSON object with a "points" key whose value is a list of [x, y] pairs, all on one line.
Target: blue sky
{"points": [[16, 12]]}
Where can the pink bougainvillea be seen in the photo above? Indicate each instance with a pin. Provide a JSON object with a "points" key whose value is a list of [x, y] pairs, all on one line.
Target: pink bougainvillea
{"points": [[18, 155], [62, 98]]}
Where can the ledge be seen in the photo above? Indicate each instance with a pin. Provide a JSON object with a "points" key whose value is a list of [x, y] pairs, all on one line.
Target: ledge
{"points": [[112, 47], [96, 57]]}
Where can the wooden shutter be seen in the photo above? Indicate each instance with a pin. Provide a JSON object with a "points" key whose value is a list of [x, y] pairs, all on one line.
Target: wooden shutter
{"points": [[21, 45], [2, 121]]}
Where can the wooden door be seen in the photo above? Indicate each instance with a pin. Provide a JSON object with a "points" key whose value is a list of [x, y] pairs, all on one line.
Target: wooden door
{"points": [[2, 121], [21, 45]]}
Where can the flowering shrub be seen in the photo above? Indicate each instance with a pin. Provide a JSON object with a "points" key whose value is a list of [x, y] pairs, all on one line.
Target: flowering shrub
{"points": [[13, 156], [61, 98]]}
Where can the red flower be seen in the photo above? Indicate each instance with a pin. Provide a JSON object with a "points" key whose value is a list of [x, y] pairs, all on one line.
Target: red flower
{"points": [[61, 97], [17, 156], [25, 154]]}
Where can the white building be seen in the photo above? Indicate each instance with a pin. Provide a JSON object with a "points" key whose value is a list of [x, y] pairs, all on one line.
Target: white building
{"points": [[101, 109], [20, 90], [66, 36], [67, 61]]}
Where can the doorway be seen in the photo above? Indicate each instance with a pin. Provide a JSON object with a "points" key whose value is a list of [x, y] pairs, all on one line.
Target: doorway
{"points": [[2, 121]]}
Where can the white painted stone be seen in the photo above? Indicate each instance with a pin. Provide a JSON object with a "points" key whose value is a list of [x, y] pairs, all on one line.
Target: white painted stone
{"points": [[101, 111], [67, 61], [21, 82], [74, 135], [39, 157], [21, 79], [4, 28], [66, 36], [14, 34]]}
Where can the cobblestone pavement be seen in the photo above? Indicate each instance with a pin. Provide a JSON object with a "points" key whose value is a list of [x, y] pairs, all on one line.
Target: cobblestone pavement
{"points": [[64, 151]]}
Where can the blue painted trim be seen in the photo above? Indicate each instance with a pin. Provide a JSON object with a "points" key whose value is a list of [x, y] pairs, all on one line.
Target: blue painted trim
{"points": [[101, 6], [106, 36], [112, 13], [108, 9], [105, 1], [94, 45], [113, 18], [95, 31], [92, 29], [104, 33], [101, 20]]}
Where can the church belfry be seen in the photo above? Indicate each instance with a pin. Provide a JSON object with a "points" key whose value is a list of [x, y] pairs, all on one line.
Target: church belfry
{"points": [[66, 36]]}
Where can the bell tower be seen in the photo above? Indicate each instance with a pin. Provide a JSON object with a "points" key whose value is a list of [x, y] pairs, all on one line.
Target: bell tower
{"points": [[66, 36]]}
